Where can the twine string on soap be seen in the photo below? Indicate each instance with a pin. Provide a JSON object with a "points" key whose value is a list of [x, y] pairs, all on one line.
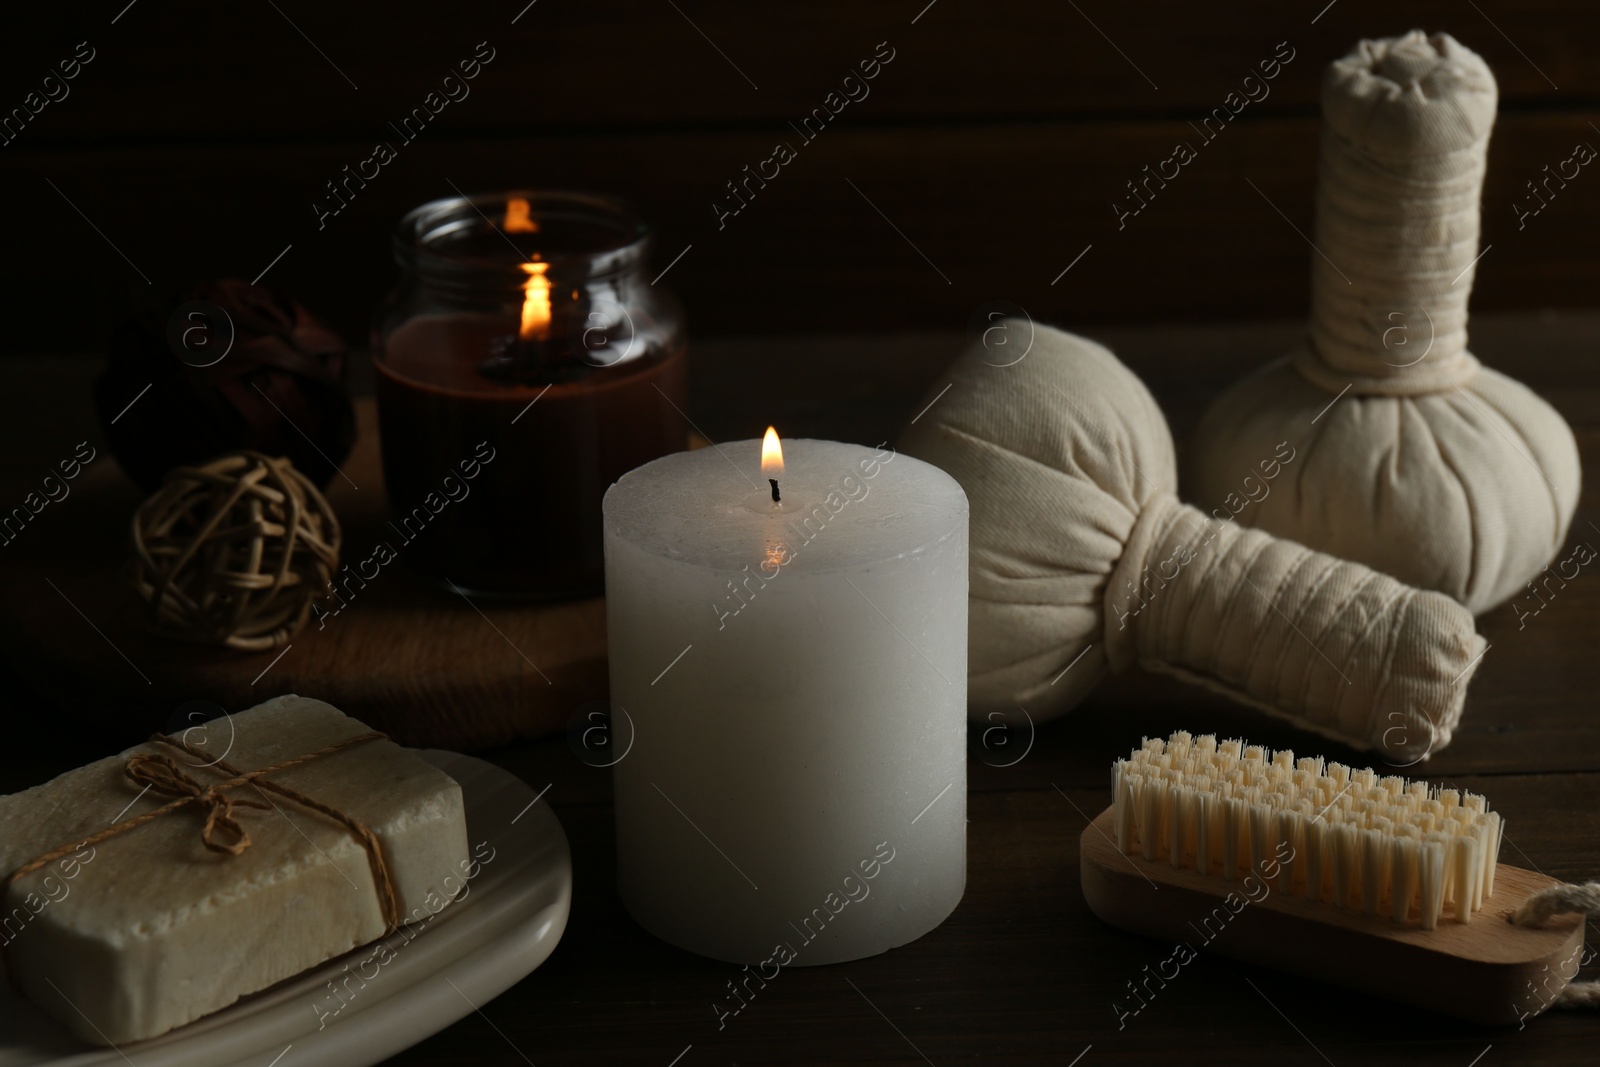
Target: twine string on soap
{"points": [[1400, 177], [1561, 899], [382, 877], [163, 775]]}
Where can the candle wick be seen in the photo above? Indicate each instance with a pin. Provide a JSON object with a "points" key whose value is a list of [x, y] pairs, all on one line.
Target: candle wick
{"points": [[774, 483]]}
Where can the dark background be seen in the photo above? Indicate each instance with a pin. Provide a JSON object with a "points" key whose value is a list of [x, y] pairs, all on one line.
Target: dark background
{"points": [[996, 140]]}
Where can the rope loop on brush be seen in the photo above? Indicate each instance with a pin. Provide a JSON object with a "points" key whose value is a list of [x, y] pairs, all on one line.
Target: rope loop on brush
{"points": [[1564, 899]]}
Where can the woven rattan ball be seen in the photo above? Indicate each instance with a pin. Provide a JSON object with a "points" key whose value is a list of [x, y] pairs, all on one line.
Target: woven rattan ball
{"points": [[234, 552]]}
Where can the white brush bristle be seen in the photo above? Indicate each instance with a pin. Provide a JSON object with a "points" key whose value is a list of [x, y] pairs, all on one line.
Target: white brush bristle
{"points": [[1347, 837]]}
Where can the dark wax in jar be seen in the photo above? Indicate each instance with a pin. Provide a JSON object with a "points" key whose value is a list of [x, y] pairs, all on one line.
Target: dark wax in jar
{"points": [[529, 522]]}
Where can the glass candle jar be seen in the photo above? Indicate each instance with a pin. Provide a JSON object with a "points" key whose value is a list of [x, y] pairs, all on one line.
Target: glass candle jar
{"points": [[524, 363]]}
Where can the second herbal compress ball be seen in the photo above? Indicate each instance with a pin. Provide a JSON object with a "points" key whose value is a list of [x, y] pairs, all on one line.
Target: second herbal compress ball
{"points": [[1414, 458], [1082, 558]]}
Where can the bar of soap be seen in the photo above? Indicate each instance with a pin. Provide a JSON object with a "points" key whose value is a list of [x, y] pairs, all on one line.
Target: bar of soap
{"points": [[150, 930]]}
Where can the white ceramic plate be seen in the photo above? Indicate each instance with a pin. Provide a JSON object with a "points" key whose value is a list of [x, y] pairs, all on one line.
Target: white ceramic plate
{"points": [[477, 948]]}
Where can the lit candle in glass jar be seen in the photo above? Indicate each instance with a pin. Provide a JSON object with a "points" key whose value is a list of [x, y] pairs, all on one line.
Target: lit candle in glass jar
{"points": [[524, 330]]}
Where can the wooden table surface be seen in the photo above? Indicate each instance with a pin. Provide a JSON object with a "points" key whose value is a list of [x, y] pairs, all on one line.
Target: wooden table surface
{"points": [[1021, 973]]}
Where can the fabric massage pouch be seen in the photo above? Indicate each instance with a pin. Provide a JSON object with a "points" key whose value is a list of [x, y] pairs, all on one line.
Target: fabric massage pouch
{"points": [[1081, 549], [1414, 458]]}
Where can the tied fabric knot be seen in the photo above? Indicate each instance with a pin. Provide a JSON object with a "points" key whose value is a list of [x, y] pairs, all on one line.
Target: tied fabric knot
{"points": [[162, 774], [1404, 152], [1335, 646]]}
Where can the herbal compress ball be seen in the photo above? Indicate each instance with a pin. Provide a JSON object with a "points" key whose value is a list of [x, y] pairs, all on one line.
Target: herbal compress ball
{"points": [[1080, 547], [1413, 458]]}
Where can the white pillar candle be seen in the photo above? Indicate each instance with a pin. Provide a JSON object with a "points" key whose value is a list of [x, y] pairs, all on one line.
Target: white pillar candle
{"points": [[795, 679]]}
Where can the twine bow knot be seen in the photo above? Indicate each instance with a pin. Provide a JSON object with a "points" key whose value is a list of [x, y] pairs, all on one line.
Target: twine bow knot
{"points": [[222, 832]]}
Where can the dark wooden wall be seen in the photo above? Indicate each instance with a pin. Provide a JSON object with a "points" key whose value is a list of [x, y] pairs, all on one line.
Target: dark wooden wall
{"points": [[996, 141]]}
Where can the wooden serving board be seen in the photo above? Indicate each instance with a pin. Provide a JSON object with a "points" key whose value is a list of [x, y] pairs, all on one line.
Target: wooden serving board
{"points": [[1485, 971], [406, 656]]}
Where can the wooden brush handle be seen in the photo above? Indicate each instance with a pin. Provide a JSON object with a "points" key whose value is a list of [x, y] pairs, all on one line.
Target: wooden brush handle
{"points": [[1487, 970], [1333, 645]]}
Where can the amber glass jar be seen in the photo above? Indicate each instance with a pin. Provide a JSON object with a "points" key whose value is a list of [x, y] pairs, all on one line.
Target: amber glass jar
{"points": [[524, 363]]}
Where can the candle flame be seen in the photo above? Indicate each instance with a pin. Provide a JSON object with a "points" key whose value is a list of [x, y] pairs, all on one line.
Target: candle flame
{"points": [[535, 303], [517, 219], [771, 455]]}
